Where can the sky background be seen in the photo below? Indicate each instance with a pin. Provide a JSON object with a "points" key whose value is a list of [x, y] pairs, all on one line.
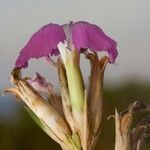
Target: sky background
{"points": [[127, 21]]}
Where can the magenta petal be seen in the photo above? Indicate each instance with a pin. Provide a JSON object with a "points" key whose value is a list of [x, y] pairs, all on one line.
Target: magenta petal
{"points": [[42, 43], [86, 35]]}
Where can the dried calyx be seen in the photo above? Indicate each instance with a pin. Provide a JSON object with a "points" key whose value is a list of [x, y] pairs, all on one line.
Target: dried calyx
{"points": [[127, 138], [45, 114]]}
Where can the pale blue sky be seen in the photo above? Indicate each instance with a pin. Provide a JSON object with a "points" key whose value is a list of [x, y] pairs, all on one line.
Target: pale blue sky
{"points": [[127, 21]]}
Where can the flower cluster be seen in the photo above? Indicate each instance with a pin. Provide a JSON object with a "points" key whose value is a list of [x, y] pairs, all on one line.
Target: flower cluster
{"points": [[73, 119]]}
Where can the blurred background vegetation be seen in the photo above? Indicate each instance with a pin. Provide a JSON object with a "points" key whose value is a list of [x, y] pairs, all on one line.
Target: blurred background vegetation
{"points": [[19, 132], [127, 21]]}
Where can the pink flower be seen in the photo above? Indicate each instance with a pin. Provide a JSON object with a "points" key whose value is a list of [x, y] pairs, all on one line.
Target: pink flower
{"points": [[80, 35]]}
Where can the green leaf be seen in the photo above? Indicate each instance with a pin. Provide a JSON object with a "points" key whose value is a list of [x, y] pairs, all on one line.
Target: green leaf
{"points": [[39, 122], [76, 140]]}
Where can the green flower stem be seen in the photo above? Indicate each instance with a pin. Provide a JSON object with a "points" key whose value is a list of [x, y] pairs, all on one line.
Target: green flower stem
{"points": [[75, 81]]}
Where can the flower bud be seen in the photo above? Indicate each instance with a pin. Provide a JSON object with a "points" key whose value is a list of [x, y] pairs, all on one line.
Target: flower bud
{"points": [[70, 59]]}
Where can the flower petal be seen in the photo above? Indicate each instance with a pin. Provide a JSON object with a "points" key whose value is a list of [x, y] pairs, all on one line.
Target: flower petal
{"points": [[86, 35], [42, 43]]}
